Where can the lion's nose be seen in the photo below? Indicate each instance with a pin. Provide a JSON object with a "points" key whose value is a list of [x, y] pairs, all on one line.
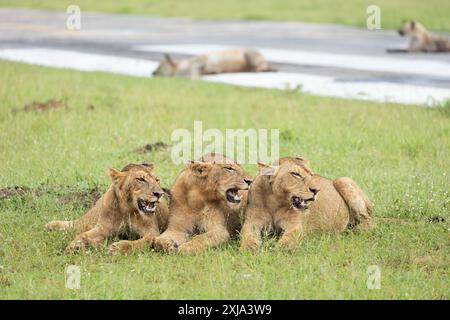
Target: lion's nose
{"points": [[248, 181], [158, 194], [314, 191]]}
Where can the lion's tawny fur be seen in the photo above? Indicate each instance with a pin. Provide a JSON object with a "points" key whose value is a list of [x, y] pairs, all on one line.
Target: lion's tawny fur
{"points": [[334, 205], [199, 205], [224, 61], [117, 211], [420, 40]]}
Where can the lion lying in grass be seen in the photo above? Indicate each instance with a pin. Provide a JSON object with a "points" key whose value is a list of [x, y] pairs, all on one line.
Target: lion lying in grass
{"points": [[225, 61], [207, 200], [290, 198], [133, 202]]}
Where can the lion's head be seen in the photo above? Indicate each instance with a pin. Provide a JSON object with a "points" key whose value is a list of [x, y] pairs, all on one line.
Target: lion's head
{"points": [[291, 180], [411, 28], [138, 186], [220, 178], [167, 67]]}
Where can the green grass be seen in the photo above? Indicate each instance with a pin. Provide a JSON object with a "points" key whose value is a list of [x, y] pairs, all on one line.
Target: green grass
{"points": [[432, 13], [398, 154]]}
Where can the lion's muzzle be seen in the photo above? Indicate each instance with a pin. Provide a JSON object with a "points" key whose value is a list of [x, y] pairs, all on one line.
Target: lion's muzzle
{"points": [[147, 207], [233, 195], [300, 203]]}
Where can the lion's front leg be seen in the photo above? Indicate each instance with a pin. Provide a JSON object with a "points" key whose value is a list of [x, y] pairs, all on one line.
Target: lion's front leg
{"points": [[147, 227], [170, 240], [293, 232], [180, 224], [291, 237], [106, 227], [93, 237], [59, 225], [127, 246], [216, 234], [256, 219]]}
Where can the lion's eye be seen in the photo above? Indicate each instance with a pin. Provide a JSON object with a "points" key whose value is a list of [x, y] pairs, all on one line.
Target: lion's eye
{"points": [[141, 179], [296, 174], [228, 168]]}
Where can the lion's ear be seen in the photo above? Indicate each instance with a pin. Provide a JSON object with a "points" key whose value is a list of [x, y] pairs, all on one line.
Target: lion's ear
{"points": [[301, 158], [148, 164], [200, 169], [169, 59], [115, 174], [267, 170]]}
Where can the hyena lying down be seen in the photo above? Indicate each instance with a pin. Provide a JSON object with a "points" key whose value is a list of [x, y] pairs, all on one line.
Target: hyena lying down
{"points": [[225, 61]]}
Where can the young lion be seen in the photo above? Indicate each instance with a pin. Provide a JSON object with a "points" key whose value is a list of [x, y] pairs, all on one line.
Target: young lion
{"points": [[134, 201], [207, 199], [292, 198], [231, 60], [420, 40]]}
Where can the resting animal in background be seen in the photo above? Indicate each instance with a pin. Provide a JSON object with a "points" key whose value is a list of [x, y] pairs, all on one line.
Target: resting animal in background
{"points": [[420, 40], [133, 202], [225, 61]]}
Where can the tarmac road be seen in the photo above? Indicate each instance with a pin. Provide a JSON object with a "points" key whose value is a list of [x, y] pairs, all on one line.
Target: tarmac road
{"points": [[345, 61]]}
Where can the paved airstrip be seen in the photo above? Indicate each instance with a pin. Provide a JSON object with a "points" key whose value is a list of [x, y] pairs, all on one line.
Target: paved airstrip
{"points": [[325, 60]]}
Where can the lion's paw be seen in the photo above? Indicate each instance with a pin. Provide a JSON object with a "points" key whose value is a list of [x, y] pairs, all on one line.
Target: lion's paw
{"points": [[165, 245], [78, 244], [57, 225], [188, 248], [120, 247], [250, 244]]}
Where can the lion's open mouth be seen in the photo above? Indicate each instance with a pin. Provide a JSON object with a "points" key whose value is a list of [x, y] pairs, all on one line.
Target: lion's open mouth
{"points": [[146, 206], [233, 196], [299, 203]]}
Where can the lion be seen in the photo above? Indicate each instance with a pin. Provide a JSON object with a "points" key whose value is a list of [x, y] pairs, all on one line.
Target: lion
{"points": [[134, 202], [289, 197], [207, 201], [420, 40], [225, 61]]}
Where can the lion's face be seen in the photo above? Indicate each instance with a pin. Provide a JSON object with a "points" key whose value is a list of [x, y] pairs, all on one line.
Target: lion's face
{"points": [[411, 28], [167, 67], [291, 182], [221, 181], [138, 185]]}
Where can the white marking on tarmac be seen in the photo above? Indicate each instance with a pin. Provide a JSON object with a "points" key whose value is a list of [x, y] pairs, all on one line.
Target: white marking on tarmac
{"points": [[327, 86], [308, 58], [318, 85], [80, 61]]}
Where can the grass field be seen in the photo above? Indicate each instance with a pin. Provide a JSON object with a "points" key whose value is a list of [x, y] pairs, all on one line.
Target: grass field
{"points": [[432, 13], [399, 154]]}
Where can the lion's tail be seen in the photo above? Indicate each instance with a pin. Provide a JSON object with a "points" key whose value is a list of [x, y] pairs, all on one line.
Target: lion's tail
{"points": [[360, 206]]}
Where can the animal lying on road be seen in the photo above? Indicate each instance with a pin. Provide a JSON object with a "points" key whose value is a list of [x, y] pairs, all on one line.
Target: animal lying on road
{"points": [[420, 40], [225, 61], [133, 202]]}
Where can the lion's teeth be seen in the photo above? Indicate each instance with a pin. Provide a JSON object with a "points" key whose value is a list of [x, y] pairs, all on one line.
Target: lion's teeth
{"points": [[236, 197]]}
